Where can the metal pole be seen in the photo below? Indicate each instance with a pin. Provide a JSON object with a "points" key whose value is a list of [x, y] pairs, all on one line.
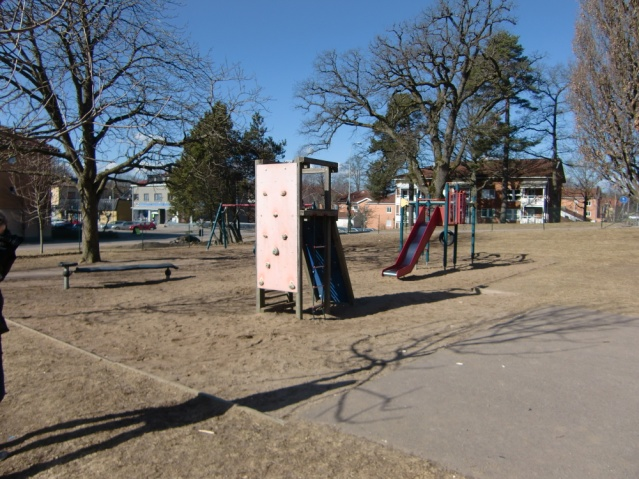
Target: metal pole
{"points": [[401, 227], [473, 220], [455, 247], [446, 206], [427, 250]]}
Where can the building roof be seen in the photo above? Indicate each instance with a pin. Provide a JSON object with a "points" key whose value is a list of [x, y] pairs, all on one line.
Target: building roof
{"points": [[366, 196], [491, 168], [575, 192]]}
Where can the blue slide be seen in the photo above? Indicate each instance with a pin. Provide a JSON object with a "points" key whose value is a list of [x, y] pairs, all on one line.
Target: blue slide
{"points": [[314, 241]]}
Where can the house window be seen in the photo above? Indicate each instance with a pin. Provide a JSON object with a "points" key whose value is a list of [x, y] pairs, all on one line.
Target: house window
{"points": [[488, 194], [145, 197], [389, 209], [157, 197], [587, 214], [514, 195], [589, 203], [534, 192], [136, 197], [169, 197], [512, 214], [488, 212]]}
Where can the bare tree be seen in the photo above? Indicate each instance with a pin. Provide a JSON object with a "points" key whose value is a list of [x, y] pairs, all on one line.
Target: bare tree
{"points": [[429, 61], [605, 89], [585, 181], [355, 168], [32, 180], [552, 111], [110, 85], [13, 19]]}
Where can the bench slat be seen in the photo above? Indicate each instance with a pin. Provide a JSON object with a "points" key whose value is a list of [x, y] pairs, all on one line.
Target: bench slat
{"points": [[123, 267]]}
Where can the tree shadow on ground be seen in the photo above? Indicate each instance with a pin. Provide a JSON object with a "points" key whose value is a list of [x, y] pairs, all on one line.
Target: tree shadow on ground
{"points": [[547, 331], [369, 305], [480, 261], [287, 396], [563, 326], [371, 364], [132, 423]]}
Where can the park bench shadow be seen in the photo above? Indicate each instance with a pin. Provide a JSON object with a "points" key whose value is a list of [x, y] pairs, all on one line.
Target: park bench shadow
{"points": [[128, 284]]}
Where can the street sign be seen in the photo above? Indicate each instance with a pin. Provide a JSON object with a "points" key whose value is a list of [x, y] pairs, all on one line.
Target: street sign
{"points": [[623, 200]]}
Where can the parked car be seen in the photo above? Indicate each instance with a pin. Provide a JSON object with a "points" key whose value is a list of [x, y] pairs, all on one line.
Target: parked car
{"points": [[119, 225], [143, 226], [61, 224]]}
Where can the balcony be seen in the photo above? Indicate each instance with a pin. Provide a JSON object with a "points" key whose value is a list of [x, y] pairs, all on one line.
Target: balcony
{"points": [[535, 201], [530, 220]]}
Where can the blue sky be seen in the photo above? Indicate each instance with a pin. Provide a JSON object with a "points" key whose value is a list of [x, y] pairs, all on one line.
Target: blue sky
{"points": [[277, 42]]}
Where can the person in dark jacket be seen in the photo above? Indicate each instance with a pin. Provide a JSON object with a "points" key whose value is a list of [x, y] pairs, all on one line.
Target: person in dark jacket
{"points": [[8, 245]]}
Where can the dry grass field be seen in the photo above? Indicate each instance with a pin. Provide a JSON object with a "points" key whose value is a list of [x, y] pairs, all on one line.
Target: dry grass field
{"points": [[117, 376]]}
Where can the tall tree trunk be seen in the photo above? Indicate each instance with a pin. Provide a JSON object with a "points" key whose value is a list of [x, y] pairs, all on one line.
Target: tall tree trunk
{"points": [[555, 194], [440, 177], [505, 173], [586, 199], [90, 215]]}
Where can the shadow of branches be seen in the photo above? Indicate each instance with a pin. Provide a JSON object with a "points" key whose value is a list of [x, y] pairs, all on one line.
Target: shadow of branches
{"points": [[132, 423]]}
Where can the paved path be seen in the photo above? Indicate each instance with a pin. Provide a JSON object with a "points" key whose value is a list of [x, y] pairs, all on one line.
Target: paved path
{"points": [[549, 394]]}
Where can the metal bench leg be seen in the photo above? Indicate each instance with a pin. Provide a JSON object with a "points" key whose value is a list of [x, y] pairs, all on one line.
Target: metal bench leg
{"points": [[66, 274]]}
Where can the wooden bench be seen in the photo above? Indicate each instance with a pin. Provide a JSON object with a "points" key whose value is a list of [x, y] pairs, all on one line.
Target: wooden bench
{"points": [[67, 272]]}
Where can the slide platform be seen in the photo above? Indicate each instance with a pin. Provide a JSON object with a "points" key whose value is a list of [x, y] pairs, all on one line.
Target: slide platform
{"points": [[415, 244]]}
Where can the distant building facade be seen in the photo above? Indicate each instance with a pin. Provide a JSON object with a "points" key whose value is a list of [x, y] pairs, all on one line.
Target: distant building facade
{"points": [[367, 212], [151, 201], [529, 198], [65, 202], [579, 204], [24, 198]]}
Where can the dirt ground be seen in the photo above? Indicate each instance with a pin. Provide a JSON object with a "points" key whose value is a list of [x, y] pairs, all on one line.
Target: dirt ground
{"points": [[118, 376]]}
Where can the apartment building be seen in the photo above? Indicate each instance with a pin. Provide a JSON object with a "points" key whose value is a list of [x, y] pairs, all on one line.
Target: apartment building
{"points": [[529, 197], [579, 204]]}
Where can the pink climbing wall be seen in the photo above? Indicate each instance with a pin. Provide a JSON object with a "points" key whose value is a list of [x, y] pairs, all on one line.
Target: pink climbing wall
{"points": [[276, 229]]}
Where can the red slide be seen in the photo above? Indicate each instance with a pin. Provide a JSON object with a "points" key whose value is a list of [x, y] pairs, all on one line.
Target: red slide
{"points": [[415, 244]]}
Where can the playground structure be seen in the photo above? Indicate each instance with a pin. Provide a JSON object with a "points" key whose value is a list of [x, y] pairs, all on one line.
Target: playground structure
{"points": [[286, 231], [451, 211], [227, 217]]}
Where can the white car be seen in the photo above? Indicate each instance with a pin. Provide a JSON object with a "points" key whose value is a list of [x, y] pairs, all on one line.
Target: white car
{"points": [[119, 225]]}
